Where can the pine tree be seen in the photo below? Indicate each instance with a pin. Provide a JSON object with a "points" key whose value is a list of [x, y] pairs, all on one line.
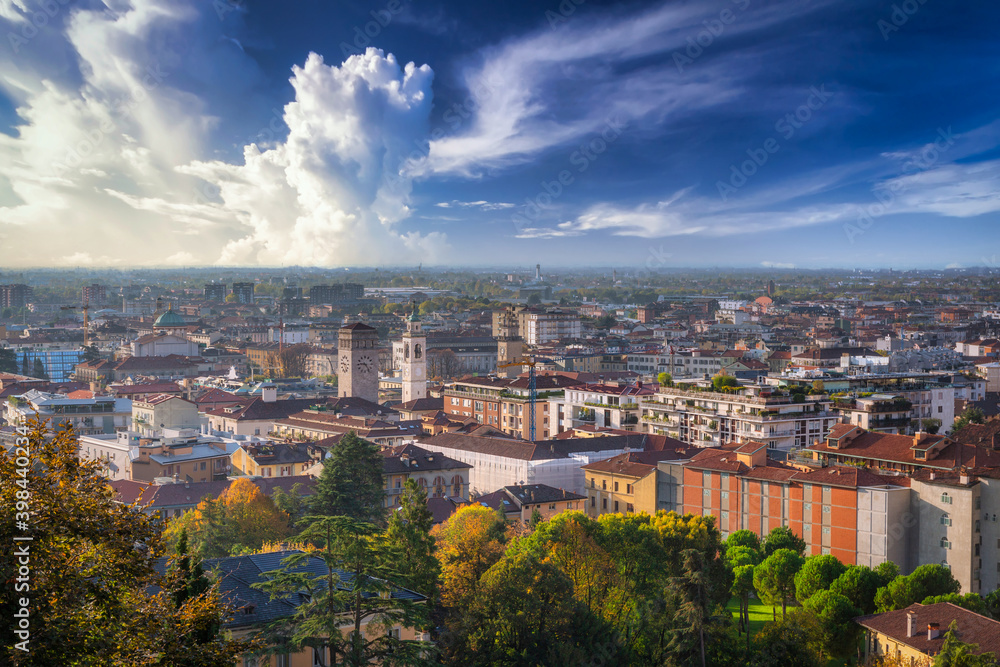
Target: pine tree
{"points": [[410, 540], [351, 482]]}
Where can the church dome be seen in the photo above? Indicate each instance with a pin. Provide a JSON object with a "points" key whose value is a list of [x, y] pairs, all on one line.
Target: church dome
{"points": [[169, 319]]}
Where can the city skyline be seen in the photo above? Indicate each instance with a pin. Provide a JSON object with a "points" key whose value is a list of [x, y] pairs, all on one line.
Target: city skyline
{"points": [[655, 136]]}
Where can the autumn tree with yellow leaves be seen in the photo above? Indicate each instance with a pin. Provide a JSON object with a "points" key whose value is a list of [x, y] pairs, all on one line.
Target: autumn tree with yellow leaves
{"points": [[241, 520], [89, 571]]}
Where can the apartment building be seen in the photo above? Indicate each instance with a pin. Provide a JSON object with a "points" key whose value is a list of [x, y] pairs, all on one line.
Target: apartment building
{"points": [[520, 502], [845, 511], [271, 459], [709, 418], [151, 414], [599, 405], [503, 402], [886, 413], [181, 454], [538, 326], [626, 483], [438, 475], [87, 416]]}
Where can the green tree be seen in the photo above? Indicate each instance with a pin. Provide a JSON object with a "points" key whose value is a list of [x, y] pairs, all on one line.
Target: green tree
{"points": [[744, 538], [817, 574], [836, 614], [351, 482], [291, 503], [992, 603], [605, 322], [665, 379], [355, 588], [932, 425], [92, 570], [8, 360], [724, 382], [241, 520], [91, 353], [38, 370], [742, 560], [925, 581], [791, 642], [971, 415], [695, 617], [782, 537], [774, 578], [971, 601], [859, 584], [536, 519], [409, 539], [534, 299], [956, 653]]}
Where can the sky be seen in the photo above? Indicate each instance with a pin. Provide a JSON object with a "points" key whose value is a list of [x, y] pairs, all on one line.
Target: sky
{"points": [[644, 135]]}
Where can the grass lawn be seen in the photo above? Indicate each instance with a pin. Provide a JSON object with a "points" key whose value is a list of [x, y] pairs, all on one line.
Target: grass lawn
{"points": [[759, 614]]}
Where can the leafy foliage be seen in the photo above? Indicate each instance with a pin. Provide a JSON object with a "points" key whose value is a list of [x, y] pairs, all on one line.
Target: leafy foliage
{"points": [[241, 520], [351, 482], [774, 578], [838, 631], [782, 537], [817, 574], [859, 584], [925, 581], [409, 539]]}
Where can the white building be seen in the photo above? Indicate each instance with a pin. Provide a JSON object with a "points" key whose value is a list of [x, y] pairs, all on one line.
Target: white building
{"points": [[162, 345], [102, 414]]}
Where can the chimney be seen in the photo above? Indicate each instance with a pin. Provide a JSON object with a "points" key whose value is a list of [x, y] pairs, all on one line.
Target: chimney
{"points": [[963, 479], [911, 624], [933, 631], [933, 475]]}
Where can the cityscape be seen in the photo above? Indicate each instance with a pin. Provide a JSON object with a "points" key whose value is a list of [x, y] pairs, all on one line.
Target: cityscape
{"points": [[582, 333]]}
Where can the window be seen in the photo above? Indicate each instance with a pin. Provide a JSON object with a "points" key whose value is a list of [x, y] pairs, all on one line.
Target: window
{"points": [[826, 509], [604, 484], [945, 543], [616, 505], [283, 660], [628, 488], [945, 520], [593, 501], [593, 482], [629, 508], [202, 465], [945, 499], [319, 656], [604, 502], [807, 507], [616, 487], [552, 506]]}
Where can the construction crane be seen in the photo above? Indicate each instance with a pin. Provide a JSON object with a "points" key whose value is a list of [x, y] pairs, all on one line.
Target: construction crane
{"points": [[532, 392], [86, 320]]}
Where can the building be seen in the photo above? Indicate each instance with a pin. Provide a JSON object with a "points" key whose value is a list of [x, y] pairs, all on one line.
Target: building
{"points": [[256, 415], [180, 454], [357, 345], [215, 292], [323, 424], [58, 359], [710, 418], [520, 502], [845, 511], [414, 364], [504, 403], [94, 295], [454, 355], [336, 293], [162, 344], [914, 635], [498, 462], [886, 413], [169, 500], [627, 483], [537, 326], [243, 293], [438, 475], [271, 459], [87, 416], [510, 344], [15, 296], [599, 405], [152, 414]]}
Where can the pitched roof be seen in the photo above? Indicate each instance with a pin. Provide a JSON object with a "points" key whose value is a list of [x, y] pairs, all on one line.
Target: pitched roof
{"points": [[972, 628], [632, 464], [889, 447], [154, 496], [410, 458]]}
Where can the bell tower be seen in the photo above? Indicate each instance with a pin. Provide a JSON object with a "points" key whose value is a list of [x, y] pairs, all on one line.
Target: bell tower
{"points": [[510, 346], [414, 359]]}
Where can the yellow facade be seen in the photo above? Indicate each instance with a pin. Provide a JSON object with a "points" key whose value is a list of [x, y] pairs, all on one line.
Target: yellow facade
{"points": [[618, 493], [245, 463]]}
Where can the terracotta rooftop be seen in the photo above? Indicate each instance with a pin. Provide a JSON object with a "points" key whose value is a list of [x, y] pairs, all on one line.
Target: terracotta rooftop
{"points": [[972, 628]]}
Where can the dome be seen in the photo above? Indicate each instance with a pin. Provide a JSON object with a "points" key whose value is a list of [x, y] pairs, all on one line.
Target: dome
{"points": [[169, 319]]}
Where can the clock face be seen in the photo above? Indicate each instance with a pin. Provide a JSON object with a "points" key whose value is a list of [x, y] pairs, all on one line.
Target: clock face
{"points": [[345, 364], [365, 364]]}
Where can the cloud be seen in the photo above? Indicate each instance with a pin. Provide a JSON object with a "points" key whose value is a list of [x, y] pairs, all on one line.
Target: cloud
{"points": [[331, 193], [116, 146], [601, 68], [481, 205]]}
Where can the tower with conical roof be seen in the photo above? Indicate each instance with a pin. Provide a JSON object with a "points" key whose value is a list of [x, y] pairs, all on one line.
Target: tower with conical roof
{"points": [[414, 359]]}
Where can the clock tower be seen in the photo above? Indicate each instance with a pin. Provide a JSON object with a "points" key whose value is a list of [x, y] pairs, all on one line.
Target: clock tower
{"points": [[357, 366], [510, 346], [414, 360]]}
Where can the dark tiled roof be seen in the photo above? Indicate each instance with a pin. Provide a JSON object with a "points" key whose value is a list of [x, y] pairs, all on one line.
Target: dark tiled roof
{"points": [[422, 404], [145, 388], [419, 459], [972, 628], [893, 448], [179, 495], [632, 464]]}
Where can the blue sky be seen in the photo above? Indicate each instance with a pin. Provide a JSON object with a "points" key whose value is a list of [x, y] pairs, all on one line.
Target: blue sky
{"points": [[645, 135]]}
